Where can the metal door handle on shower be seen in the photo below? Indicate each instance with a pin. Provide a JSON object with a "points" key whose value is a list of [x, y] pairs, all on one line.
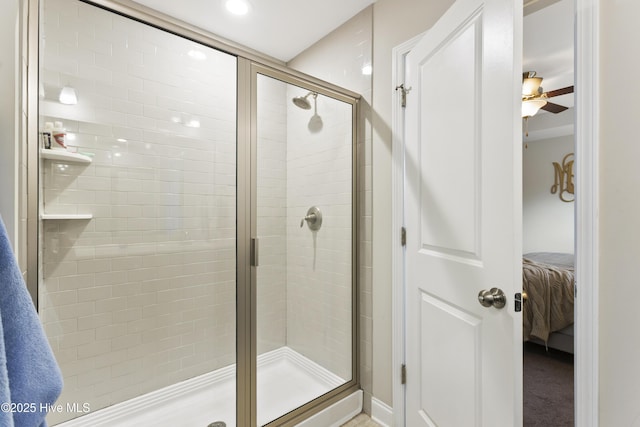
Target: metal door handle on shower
{"points": [[313, 218]]}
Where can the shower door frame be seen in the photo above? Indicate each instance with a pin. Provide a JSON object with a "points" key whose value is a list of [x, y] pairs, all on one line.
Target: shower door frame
{"points": [[250, 63], [250, 252]]}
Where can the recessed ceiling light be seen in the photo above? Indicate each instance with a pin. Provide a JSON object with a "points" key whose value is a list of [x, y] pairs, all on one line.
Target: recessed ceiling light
{"points": [[237, 7]]}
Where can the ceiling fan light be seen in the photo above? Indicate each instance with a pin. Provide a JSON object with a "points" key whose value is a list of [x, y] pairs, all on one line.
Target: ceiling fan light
{"points": [[531, 86], [531, 106]]}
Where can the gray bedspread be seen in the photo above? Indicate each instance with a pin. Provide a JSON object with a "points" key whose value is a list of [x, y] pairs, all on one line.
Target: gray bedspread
{"points": [[550, 291], [556, 259]]}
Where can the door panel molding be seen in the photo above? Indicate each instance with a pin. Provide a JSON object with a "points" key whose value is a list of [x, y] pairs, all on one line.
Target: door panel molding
{"points": [[457, 336], [461, 236]]}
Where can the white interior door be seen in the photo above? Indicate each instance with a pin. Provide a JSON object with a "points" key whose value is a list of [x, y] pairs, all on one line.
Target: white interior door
{"points": [[463, 218]]}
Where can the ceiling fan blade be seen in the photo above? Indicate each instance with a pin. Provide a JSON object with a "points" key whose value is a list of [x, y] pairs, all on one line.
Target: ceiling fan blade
{"points": [[558, 92], [554, 108]]}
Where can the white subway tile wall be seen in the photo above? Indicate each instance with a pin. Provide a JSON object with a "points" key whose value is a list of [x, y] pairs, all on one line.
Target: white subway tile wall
{"points": [[142, 295], [305, 277], [272, 214], [319, 263], [340, 58]]}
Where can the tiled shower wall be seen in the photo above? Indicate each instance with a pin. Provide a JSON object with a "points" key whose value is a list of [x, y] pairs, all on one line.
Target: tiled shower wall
{"points": [[341, 58], [272, 214], [319, 263], [304, 278], [142, 295]]}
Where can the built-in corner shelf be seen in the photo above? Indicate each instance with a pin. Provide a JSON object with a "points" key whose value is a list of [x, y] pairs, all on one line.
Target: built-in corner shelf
{"points": [[66, 216], [63, 155]]}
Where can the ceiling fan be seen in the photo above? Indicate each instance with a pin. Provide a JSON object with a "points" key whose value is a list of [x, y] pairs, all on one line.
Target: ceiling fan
{"points": [[535, 99]]}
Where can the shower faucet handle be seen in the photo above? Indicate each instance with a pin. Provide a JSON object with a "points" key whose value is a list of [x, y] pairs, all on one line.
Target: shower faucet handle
{"points": [[313, 218]]}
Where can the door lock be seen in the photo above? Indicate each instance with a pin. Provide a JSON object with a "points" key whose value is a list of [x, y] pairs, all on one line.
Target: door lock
{"points": [[493, 297]]}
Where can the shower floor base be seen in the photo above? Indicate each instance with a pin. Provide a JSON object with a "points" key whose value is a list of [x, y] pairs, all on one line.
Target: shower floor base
{"points": [[286, 380]]}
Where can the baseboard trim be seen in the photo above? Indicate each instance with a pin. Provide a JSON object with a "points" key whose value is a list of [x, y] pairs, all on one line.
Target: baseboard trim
{"points": [[381, 413]]}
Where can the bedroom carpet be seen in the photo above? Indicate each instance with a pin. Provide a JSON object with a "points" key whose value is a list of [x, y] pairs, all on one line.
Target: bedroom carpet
{"points": [[548, 387]]}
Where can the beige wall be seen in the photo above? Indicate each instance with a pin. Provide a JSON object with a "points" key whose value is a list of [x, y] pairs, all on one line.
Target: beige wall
{"points": [[547, 221], [619, 210], [394, 22]]}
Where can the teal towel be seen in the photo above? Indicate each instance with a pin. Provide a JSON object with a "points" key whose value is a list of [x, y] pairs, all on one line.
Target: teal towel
{"points": [[30, 379]]}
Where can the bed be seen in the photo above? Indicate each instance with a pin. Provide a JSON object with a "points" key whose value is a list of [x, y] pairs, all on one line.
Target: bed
{"points": [[549, 282]]}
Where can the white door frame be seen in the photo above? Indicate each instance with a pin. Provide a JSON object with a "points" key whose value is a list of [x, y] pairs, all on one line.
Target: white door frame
{"points": [[586, 210], [397, 217]]}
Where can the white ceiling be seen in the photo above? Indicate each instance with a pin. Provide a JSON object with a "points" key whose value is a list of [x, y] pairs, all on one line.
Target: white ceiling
{"points": [[548, 50], [548, 47], [279, 28], [284, 28]]}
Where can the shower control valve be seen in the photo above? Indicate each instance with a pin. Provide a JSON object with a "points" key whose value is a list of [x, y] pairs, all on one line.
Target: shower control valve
{"points": [[310, 218], [313, 218]]}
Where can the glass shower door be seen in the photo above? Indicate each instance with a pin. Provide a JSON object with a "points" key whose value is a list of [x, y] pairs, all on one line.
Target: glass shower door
{"points": [[305, 278], [138, 233]]}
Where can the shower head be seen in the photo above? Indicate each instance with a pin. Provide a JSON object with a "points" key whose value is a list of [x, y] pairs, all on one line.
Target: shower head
{"points": [[303, 102]]}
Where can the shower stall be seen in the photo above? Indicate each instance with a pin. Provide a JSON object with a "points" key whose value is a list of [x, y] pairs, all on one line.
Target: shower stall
{"points": [[195, 242]]}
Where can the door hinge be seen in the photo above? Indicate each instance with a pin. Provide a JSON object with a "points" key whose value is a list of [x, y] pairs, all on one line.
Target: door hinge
{"points": [[403, 94], [403, 374], [403, 236]]}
